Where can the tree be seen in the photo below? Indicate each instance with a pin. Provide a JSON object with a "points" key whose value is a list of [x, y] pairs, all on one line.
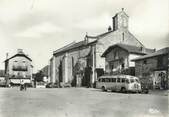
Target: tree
{"points": [[39, 76]]}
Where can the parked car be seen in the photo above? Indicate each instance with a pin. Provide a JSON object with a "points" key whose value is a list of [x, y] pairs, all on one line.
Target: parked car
{"points": [[40, 85], [144, 88], [2, 83], [29, 85], [52, 85], [144, 85], [64, 85]]}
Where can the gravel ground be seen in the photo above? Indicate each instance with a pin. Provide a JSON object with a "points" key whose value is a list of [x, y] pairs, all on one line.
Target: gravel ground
{"points": [[79, 102]]}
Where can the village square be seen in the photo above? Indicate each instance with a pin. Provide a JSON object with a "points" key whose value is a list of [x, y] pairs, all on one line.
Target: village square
{"points": [[109, 74]]}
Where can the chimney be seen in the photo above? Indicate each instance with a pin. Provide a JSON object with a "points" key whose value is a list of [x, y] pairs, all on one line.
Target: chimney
{"points": [[154, 49], [7, 56], [109, 29], [141, 48], [86, 39], [20, 51]]}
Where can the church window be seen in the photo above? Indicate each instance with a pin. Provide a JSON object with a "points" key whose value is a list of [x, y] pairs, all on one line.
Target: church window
{"points": [[122, 65], [112, 67], [115, 55], [124, 21], [145, 62], [123, 36]]}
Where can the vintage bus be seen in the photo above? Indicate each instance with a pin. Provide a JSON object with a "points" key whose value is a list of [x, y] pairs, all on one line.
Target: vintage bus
{"points": [[122, 83]]}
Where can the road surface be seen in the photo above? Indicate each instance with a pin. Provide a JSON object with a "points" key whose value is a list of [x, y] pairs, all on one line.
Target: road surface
{"points": [[79, 102]]}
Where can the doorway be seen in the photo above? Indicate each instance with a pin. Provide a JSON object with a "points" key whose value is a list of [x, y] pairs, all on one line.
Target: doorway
{"points": [[160, 80]]}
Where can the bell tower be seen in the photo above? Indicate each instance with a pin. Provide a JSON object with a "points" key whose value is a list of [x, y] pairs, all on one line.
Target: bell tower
{"points": [[120, 20]]}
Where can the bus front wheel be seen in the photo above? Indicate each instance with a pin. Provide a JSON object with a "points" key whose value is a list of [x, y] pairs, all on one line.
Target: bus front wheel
{"points": [[123, 90], [103, 88]]}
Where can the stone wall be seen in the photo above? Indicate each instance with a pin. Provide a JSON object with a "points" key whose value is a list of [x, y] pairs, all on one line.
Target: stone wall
{"points": [[111, 39], [68, 61], [145, 68], [118, 36], [168, 70], [149, 69], [119, 54]]}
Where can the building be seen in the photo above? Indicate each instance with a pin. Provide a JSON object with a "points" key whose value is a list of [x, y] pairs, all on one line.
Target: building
{"points": [[50, 71], [18, 68], [2, 75], [154, 68], [81, 63], [118, 58], [45, 72], [2, 78]]}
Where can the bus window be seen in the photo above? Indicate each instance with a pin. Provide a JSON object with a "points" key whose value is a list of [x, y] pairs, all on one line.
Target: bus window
{"points": [[127, 81], [118, 79], [107, 80], [131, 80], [103, 80], [113, 79], [123, 80], [137, 80]]}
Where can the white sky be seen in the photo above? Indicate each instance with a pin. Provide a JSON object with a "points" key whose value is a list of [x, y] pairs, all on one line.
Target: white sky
{"points": [[42, 26]]}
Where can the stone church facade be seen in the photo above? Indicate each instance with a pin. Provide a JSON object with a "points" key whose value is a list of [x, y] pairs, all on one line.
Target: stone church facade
{"points": [[79, 64]]}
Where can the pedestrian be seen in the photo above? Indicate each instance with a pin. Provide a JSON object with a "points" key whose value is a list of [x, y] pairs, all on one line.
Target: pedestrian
{"points": [[25, 86], [22, 85]]}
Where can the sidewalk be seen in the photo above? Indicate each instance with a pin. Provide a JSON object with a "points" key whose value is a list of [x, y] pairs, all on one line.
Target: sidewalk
{"points": [[159, 92]]}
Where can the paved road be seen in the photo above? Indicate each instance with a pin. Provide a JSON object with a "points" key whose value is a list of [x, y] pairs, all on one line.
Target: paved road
{"points": [[79, 102]]}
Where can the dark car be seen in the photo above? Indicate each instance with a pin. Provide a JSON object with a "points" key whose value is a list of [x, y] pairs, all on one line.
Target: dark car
{"points": [[2, 84], [144, 88], [52, 85], [144, 85]]}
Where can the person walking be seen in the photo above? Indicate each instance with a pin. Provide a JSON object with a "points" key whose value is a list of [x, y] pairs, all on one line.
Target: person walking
{"points": [[25, 86], [22, 85]]}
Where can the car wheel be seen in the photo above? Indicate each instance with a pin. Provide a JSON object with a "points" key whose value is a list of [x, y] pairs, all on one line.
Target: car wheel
{"points": [[139, 91], [146, 91], [103, 88]]}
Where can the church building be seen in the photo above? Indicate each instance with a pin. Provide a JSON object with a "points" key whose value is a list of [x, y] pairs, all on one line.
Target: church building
{"points": [[81, 63]]}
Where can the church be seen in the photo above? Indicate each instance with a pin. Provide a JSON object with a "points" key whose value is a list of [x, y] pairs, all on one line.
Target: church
{"points": [[81, 63]]}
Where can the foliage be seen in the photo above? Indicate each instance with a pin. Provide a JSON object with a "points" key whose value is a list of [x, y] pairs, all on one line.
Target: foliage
{"points": [[39, 76]]}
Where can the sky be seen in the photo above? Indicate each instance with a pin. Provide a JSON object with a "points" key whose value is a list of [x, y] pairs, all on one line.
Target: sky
{"points": [[40, 27]]}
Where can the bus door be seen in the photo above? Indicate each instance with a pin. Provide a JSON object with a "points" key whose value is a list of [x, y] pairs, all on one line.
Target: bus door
{"points": [[118, 84], [123, 83], [108, 83], [113, 84]]}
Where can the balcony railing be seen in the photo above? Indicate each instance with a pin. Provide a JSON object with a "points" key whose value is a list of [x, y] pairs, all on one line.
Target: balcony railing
{"points": [[20, 68], [20, 76]]}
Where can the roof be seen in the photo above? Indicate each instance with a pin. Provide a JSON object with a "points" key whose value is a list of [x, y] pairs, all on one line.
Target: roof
{"points": [[122, 11], [72, 46], [19, 54], [69, 46], [129, 48], [2, 73], [100, 35], [83, 43], [109, 32], [157, 53]]}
